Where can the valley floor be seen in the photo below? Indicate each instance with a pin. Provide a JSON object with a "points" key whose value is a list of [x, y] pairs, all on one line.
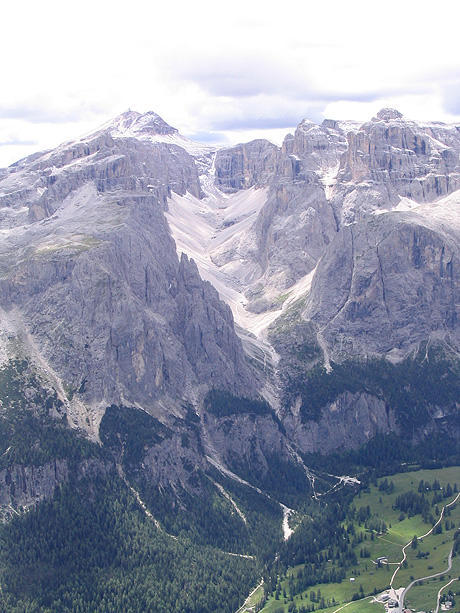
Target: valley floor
{"points": [[395, 569]]}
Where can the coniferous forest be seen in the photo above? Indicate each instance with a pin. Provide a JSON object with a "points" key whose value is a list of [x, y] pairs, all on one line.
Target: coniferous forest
{"points": [[107, 540], [92, 548]]}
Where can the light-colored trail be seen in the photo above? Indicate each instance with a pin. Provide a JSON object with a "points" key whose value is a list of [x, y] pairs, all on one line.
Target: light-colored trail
{"points": [[449, 566], [352, 602], [441, 590], [406, 589], [419, 538], [246, 602], [142, 504], [230, 499]]}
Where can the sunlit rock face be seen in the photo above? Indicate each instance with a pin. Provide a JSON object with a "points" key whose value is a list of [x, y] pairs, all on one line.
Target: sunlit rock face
{"points": [[390, 282], [245, 166], [391, 157], [344, 240], [89, 267]]}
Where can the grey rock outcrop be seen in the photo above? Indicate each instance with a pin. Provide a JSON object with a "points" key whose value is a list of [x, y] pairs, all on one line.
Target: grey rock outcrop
{"points": [[205, 325], [330, 175], [292, 229], [94, 274], [348, 422], [391, 157], [389, 283], [174, 462], [297, 222], [24, 486], [248, 440], [314, 147], [245, 166]]}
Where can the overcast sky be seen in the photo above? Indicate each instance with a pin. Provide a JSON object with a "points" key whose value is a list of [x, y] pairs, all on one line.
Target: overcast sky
{"points": [[221, 71]]}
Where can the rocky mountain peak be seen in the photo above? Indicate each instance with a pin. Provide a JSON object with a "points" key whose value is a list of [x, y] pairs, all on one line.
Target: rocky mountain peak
{"points": [[391, 157], [246, 165], [388, 114], [132, 123], [92, 290]]}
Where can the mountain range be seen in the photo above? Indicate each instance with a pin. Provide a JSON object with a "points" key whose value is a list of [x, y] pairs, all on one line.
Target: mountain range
{"points": [[194, 310]]}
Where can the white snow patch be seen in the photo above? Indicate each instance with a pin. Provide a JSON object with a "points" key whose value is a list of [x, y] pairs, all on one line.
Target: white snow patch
{"points": [[406, 204], [329, 179]]}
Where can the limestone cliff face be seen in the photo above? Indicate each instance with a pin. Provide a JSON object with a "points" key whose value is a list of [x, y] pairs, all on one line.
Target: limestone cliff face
{"points": [[248, 440], [245, 166], [389, 283], [174, 462], [348, 422], [94, 275], [330, 175], [314, 147], [293, 229], [297, 222], [110, 164], [23, 486], [205, 326], [391, 157], [352, 419]]}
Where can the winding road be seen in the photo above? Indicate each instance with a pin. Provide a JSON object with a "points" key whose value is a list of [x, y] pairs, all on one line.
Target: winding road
{"points": [[406, 589], [400, 609], [440, 592]]}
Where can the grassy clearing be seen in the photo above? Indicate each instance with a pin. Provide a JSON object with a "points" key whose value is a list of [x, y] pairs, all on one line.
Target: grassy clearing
{"points": [[361, 606], [423, 597], [253, 600], [75, 243], [337, 594], [368, 578]]}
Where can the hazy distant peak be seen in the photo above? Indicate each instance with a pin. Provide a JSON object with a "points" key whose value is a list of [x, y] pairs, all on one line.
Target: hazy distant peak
{"points": [[388, 114]]}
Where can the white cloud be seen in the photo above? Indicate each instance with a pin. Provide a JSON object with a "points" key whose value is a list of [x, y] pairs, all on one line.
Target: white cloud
{"points": [[208, 67]]}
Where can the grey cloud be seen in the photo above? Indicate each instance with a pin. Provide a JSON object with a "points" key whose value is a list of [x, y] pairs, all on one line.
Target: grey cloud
{"points": [[236, 76], [256, 123], [214, 138], [42, 111], [19, 142], [451, 97], [249, 76]]}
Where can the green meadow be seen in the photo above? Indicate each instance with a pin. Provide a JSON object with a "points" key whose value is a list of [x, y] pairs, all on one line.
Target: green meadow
{"points": [[377, 507]]}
